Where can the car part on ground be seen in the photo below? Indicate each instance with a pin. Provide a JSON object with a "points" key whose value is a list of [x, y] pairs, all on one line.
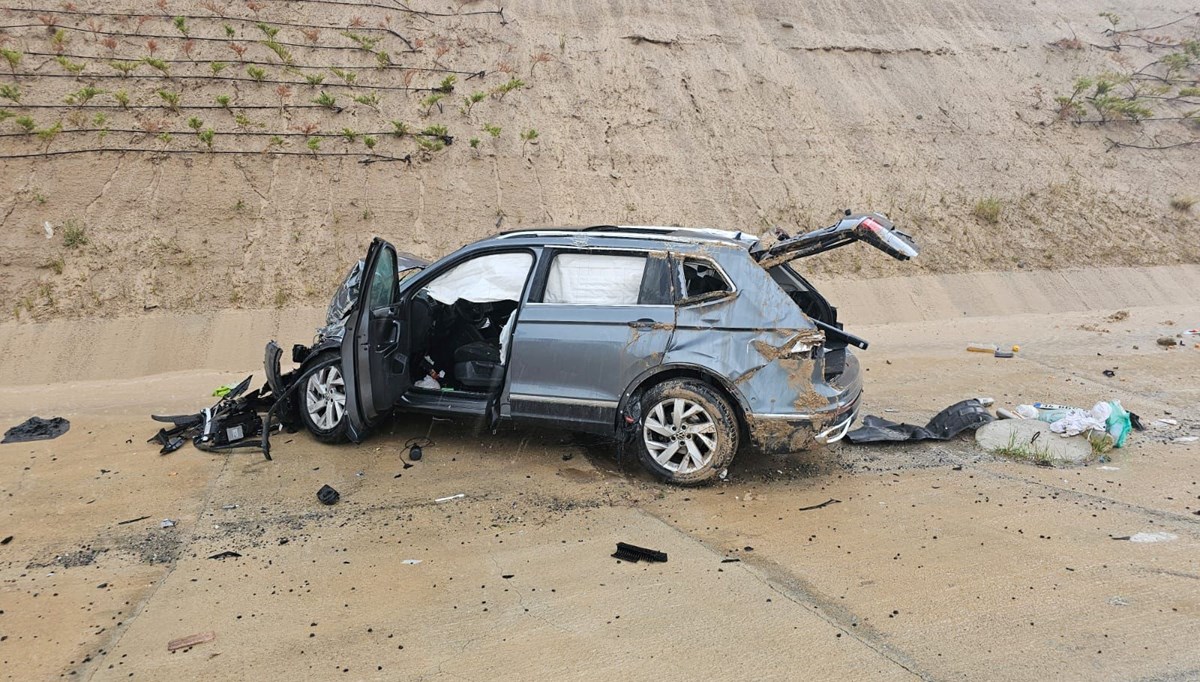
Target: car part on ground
{"points": [[968, 414], [634, 554], [327, 495], [232, 423], [36, 428]]}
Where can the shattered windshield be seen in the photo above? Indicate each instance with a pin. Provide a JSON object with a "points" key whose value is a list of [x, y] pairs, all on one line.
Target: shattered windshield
{"points": [[347, 294]]}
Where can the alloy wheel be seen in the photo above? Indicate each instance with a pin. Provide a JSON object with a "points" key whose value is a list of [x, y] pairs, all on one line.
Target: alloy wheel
{"points": [[325, 397], [680, 435]]}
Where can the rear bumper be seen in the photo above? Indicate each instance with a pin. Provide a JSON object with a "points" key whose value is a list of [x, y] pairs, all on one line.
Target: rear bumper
{"points": [[825, 417], [780, 433]]}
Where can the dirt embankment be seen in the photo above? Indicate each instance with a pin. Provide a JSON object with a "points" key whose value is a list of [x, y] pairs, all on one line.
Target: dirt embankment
{"points": [[733, 116]]}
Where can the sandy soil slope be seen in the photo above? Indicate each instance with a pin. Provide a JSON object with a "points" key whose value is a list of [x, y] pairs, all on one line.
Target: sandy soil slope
{"points": [[938, 562], [742, 116]]}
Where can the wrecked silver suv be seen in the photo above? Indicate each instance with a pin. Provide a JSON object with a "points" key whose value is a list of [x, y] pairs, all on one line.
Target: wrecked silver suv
{"points": [[681, 343]]}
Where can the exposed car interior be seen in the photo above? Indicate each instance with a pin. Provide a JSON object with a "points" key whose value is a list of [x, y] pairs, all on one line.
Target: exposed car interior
{"points": [[700, 279], [820, 311], [799, 290], [461, 322]]}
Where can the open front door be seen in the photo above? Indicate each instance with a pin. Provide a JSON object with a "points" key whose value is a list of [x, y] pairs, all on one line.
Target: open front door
{"points": [[375, 344], [874, 229]]}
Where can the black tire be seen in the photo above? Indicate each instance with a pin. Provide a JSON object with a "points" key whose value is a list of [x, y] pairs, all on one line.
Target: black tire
{"points": [[325, 426], [712, 432]]}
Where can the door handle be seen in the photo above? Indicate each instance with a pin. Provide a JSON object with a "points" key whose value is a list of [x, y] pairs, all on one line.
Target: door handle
{"points": [[389, 345], [644, 323]]}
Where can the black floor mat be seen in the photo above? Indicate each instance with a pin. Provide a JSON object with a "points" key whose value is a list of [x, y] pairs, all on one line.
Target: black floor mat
{"points": [[36, 428]]}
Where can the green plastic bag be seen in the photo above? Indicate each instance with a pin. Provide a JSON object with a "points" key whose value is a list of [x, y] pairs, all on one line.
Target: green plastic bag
{"points": [[1118, 424]]}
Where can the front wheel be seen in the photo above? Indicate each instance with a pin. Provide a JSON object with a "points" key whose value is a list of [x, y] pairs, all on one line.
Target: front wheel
{"points": [[324, 406], [689, 432]]}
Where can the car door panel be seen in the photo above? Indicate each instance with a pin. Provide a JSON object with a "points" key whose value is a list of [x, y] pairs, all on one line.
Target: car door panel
{"points": [[374, 347], [571, 363]]}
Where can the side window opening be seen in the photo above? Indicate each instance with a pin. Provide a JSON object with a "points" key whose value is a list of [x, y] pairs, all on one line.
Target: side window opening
{"points": [[700, 279], [462, 321]]}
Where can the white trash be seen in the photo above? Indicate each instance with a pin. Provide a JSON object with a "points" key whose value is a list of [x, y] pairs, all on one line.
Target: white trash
{"points": [[1153, 537]]}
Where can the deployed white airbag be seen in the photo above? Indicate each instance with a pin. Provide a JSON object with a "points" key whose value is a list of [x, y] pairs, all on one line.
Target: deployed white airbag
{"points": [[594, 279], [487, 279]]}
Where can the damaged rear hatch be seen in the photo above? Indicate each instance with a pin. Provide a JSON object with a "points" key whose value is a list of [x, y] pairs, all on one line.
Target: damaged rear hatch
{"points": [[873, 228]]}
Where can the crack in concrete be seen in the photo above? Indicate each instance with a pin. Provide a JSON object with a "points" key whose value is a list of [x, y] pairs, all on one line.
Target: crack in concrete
{"points": [[104, 189], [801, 593], [88, 671]]}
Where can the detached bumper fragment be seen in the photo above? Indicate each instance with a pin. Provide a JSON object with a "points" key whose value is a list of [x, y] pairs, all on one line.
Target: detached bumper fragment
{"points": [[232, 423]]}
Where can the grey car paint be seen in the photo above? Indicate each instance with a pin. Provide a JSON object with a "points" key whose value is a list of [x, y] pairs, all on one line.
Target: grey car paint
{"points": [[548, 382], [585, 366]]}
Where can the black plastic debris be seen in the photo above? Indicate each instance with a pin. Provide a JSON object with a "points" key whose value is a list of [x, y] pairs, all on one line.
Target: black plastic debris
{"points": [[129, 521], [1136, 422], [227, 554], [7, 539], [959, 417], [634, 554], [415, 447], [327, 495], [171, 445], [233, 422], [824, 504], [36, 428]]}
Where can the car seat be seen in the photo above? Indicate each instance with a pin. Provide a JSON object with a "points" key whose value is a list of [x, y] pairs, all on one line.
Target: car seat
{"points": [[477, 365]]}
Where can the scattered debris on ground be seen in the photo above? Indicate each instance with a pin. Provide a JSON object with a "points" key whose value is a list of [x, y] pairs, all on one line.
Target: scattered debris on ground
{"points": [[235, 421], [36, 428], [634, 554], [1149, 537], [191, 641], [995, 349], [129, 521], [967, 414], [1105, 417], [824, 504], [327, 495]]}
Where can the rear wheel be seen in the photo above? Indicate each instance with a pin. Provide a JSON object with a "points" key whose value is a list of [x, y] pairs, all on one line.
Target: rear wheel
{"points": [[689, 432], [323, 407]]}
